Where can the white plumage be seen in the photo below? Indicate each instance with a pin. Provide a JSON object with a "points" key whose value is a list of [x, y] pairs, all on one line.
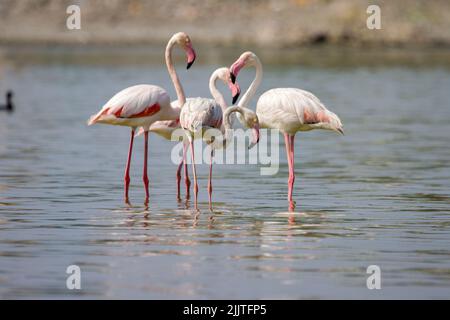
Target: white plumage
{"points": [[136, 106], [201, 113], [210, 110], [142, 105], [291, 110], [287, 109]]}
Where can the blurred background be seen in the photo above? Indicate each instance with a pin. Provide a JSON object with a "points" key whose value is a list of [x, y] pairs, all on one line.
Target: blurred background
{"points": [[266, 23], [311, 32], [379, 195]]}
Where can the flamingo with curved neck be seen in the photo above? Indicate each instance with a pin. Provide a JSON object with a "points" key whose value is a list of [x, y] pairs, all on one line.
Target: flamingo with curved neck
{"points": [[287, 109], [143, 105], [201, 114], [165, 128]]}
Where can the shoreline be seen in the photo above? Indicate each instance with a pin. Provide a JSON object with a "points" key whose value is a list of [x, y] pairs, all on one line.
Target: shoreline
{"points": [[325, 55], [261, 24]]}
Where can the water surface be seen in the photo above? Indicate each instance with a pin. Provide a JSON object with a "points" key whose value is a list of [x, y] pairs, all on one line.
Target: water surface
{"points": [[379, 195]]}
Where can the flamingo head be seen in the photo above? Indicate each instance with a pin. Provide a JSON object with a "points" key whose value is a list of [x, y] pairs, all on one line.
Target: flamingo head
{"points": [[225, 75], [250, 120], [332, 122], [185, 42], [246, 59]]}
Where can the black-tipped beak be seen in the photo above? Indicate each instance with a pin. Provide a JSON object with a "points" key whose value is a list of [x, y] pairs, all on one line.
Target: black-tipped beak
{"points": [[341, 131], [235, 98], [233, 77], [190, 64]]}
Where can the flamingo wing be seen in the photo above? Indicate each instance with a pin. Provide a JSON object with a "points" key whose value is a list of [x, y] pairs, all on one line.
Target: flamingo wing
{"points": [[199, 113], [292, 109], [133, 102]]}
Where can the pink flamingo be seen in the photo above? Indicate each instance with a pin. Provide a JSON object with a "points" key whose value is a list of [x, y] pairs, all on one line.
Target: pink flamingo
{"points": [[286, 109], [142, 105], [201, 114]]}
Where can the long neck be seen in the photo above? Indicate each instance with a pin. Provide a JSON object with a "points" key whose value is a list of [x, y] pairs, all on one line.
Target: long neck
{"points": [[248, 95], [216, 93], [227, 114], [227, 123], [173, 74]]}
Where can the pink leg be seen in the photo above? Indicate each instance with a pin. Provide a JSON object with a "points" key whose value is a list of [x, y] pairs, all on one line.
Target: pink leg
{"points": [[180, 166], [210, 179], [186, 172], [289, 140], [195, 174], [292, 203], [144, 176], [127, 169]]}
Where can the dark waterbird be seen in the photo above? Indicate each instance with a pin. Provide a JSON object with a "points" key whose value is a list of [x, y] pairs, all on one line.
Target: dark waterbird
{"points": [[9, 106]]}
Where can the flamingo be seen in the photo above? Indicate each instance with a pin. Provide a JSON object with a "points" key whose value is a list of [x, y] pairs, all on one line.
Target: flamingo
{"points": [[142, 105], [9, 106], [201, 114], [165, 129], [287, 109]]}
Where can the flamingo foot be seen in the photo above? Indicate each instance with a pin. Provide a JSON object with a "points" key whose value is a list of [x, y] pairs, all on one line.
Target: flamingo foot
{"points": [[292, 205], [126, 188], [147, 194], [179, 181], [195, 196], [187, 182], [210, 195]]}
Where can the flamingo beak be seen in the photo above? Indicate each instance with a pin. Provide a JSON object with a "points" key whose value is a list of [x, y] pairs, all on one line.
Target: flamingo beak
{"points": [[233, 77], [341, 131], [255, 140], [234, 70], [190, 52], [235, 91], [235, 98]]}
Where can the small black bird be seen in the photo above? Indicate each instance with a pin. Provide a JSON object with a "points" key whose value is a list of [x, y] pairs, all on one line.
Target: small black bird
{"points": [[9, 106]]}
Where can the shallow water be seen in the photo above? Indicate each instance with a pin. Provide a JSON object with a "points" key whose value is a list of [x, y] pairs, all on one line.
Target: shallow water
{"points": [[377, 196]]}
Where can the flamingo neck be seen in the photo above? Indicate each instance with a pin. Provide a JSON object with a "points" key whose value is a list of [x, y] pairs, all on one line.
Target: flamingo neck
{"points": [[248, 95], [175, 110], [215, 92], [173, 74], [227, 122], [227, 114]]}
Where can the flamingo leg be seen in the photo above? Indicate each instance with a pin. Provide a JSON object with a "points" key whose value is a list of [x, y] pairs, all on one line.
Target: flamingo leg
{"points": [[292, 203], [289, 141], [191, 141], [183, 164], [127, 168], [144, 175], [180, 166], [186, 172], [291, 170], [210, 179]]}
